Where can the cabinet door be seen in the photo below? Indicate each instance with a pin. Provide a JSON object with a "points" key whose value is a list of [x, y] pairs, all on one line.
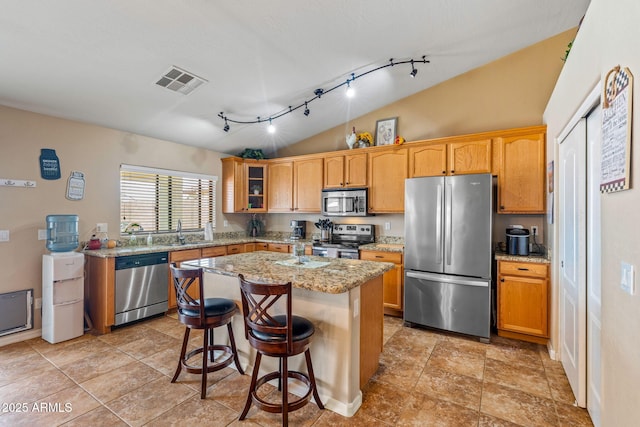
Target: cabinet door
{"points": [[233, 185], [392, 280], [387, 172], [280, 190], [307, 182], [521, 179], [522, 305], [469, 157], [334, 171], [355, 170], [255, 187], [429, 160]]}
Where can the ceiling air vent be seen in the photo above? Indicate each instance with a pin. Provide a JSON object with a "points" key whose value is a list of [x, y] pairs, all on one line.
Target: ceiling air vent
{"points": [[179, 80]]}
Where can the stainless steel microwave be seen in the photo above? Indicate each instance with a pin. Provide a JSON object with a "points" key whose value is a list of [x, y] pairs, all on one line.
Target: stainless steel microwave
{"points": [[344, 202]]}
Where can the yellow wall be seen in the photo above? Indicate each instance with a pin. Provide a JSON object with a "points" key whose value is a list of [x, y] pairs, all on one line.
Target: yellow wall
{"points": [[93, 150], [510, 92], [608, 36]]}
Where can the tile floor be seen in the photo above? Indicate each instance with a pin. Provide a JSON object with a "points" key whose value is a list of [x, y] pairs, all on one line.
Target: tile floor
{"points": [[425, 379]]}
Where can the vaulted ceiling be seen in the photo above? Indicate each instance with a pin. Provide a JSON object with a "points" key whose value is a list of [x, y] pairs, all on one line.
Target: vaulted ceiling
{"points": [[98, 61]]}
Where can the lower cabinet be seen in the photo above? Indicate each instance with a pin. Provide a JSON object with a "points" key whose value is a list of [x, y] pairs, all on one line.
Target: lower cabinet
{"points": [[523, 299], [392, 280], [278, 247]]}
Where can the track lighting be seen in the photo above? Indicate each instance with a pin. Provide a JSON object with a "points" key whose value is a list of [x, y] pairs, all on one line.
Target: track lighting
{"points": [[319, 92]]}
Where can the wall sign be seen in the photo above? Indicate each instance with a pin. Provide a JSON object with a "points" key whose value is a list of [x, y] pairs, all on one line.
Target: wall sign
{"points": [[616, 130], [75, 186], [49, 164]]}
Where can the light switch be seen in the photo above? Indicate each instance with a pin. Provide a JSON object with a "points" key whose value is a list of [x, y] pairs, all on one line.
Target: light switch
{"points": [[4, 235], [42, 234], [626, 277]]}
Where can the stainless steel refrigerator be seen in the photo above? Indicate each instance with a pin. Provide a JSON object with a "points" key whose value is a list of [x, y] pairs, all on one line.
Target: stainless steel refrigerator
{"points": [[447, 232]]}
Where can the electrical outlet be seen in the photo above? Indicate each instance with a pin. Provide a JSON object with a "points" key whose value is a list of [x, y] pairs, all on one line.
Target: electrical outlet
{"points": [[5, 236], [387, 226], [42, 234], [38, 303], [534, 230], [226, 223], [102, 227]]}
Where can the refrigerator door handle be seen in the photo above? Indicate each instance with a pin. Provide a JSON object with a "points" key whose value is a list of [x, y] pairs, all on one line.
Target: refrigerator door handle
{"points": [[439, 224], [448, 223], [443, 279]]}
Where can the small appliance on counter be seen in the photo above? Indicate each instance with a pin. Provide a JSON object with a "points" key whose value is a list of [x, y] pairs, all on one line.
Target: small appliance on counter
{"points": [[299, 229], [517, 241]]}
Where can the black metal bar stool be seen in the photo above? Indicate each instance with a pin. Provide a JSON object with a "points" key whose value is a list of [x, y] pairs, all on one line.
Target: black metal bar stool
{"points": [[193, 314], [276, 335]]}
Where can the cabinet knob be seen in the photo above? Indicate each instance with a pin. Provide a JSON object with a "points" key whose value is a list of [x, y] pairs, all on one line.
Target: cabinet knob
{"points": [[502, 280], [452, 171], [444, 172], [346, 183], [501, 207]]}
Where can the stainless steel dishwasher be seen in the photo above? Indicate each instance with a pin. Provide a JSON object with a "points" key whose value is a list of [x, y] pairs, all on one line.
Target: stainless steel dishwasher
{"points": [[142, 288]]}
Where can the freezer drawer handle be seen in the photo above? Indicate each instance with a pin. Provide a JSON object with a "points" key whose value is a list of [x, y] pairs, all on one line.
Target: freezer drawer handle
{"points": [[439, 278]]}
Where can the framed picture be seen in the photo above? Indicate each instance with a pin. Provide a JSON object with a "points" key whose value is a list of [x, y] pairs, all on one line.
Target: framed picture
{"points": [[386, 131]]}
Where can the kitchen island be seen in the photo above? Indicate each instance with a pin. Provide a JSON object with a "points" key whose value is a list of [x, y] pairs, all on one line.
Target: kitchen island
{"points": [[343, 299]]}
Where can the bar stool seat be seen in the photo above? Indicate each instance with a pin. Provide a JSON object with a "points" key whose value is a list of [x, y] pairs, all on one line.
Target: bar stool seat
{"points": [[276, 335], [213, 313]]}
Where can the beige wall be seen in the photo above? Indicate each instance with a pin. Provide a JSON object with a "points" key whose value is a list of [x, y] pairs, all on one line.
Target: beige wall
{"points": [[93, 150], [510, 92], [608, 37]]}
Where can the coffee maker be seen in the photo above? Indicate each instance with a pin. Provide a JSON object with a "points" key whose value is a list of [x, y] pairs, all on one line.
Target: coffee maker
{"points": [[299, 229]]}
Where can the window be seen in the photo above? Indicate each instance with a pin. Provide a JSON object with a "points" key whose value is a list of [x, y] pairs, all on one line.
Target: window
{"points": [[155, 199]]}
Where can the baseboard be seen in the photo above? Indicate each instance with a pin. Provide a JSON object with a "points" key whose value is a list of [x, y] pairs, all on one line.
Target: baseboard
{"points": [[20, 336], [552, 352]]}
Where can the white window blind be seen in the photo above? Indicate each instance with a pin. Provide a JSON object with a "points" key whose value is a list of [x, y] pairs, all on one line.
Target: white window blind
{"points": [[155, 199]]}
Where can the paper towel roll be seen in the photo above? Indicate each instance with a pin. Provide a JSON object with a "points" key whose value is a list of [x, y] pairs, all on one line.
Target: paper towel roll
{"points": [[208, 231]]}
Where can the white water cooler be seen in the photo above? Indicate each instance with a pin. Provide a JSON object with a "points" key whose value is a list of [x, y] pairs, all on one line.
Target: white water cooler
{"points": [[62, 296]]}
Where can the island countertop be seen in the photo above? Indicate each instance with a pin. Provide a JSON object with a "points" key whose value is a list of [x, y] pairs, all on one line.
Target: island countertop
{"points": [[320, 274]]}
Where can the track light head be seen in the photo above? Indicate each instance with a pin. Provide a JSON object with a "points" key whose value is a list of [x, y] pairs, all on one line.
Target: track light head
{"points": [[306, 109], [271, 128], [226, 125], [413, 70], [318, 92]]}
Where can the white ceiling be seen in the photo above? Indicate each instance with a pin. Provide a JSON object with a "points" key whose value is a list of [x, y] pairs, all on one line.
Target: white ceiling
{"points": [[97, 61]]}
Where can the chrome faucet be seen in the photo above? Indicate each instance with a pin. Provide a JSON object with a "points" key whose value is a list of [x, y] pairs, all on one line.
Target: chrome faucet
{"points": [[179, 230]]}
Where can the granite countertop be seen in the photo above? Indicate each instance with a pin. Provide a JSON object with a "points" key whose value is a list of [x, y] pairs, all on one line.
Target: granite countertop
{"points": [[160, 247], [537, 258], [383, 247], [320, 274]]}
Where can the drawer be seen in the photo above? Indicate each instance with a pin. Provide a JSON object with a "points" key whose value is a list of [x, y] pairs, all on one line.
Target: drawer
{"points": [[276, 247], [262, 247], [235, 249], [214, 251], [527, 269], [393, 257], [189, 254]]}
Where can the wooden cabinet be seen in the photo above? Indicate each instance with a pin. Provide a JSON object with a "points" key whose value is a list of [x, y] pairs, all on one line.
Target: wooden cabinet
{"points": [[392, 280], [523, 301], [387, 170], [213, 251], [244, 185], [349, 170], [99, 284], [295, 186], [521, 175], [451, 158], [280, 190], [307, 184], [262, 246]]}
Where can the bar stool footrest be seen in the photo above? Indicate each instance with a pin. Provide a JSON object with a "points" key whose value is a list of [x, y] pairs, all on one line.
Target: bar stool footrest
{"points": [[277, 408], [210, 368]]}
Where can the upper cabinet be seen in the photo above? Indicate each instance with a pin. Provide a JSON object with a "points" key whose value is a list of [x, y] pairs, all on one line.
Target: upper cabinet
{"points": [[280, 191], [387, 170], [348, 170], [450, 158], [244, 185], [295, 186], [521, 175]]}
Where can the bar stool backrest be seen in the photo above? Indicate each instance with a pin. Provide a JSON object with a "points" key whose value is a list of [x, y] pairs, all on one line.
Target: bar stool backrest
{"points": [[186, 282]]}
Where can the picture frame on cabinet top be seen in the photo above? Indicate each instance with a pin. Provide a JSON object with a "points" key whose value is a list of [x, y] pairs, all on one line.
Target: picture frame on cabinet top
{"points": [[386, 131]]}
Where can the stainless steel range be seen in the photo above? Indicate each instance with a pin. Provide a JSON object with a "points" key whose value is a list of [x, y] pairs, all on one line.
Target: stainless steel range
{"points": [[345, 240]]}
